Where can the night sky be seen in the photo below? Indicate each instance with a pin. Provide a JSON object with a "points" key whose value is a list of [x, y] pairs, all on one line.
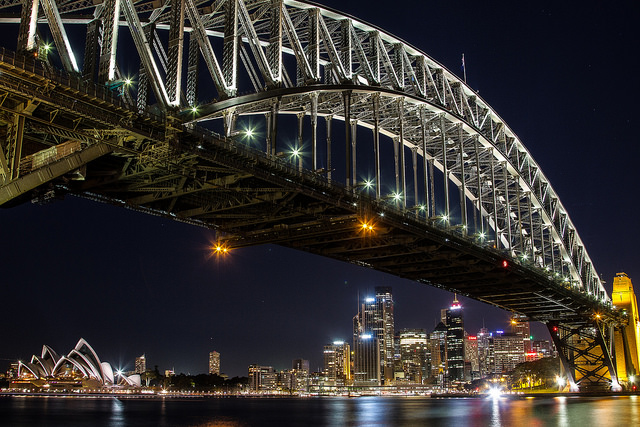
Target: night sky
{"points": [[563, 77]]}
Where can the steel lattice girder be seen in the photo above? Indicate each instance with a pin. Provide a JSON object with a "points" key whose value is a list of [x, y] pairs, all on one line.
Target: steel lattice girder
{"points": [[502, 181]]}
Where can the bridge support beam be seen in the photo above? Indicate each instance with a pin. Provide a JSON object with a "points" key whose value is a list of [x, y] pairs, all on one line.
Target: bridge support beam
{"points": [[425, 164], [49, 172], [28, 26], [346, 97], [314, 131], [463, 186], [585, 355], [328, 121], [445, 167], [403, 179]]}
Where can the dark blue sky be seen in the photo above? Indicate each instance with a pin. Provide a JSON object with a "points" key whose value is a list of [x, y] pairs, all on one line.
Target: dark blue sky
{"points": [[564, 79]]}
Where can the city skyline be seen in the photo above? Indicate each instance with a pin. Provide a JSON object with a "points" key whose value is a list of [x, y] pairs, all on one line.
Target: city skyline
{"points": [[146, 285]]}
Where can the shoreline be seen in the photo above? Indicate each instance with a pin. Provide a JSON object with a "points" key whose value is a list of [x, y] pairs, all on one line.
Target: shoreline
{"points": [[275, 396]]}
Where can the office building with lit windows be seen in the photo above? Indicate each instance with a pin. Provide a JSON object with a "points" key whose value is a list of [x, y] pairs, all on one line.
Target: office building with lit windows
{"points": [[455, 342], [214, 363], [376, 318], [337, 363], [366, 363], [415, 355], [262, 378], [508, 350], [141, 364]]}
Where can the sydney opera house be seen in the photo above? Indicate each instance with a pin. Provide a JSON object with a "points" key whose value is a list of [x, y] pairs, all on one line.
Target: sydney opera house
{"points": [[81, 368]]}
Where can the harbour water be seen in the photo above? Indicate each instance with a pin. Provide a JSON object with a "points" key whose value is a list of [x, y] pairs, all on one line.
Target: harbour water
{"points": [[329, 411]]}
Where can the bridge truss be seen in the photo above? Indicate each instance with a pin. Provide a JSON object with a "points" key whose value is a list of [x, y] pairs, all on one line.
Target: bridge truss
{"points": [[430, 183]]}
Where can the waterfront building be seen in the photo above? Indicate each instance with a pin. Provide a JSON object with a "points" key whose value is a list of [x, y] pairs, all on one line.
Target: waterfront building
{"points": [[455, 342], [284, 380], [300, 374], [337, 363], [377, 319], [414, 355], [262, 378], [366, 366], [521, 328], [486, 363], [471, 358], [141, 365], [438, 350], [508, 352], [214, 363]]}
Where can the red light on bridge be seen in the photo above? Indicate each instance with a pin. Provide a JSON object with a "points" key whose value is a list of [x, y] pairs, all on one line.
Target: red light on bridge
{"points": [[555, 329], [505, 263]]}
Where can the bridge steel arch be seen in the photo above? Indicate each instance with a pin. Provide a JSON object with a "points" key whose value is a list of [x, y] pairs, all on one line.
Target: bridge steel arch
{"points": [[468, 202]]}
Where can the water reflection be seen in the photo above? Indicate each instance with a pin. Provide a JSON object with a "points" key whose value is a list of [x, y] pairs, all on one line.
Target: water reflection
{"points": [[361, 411], [117, 416], [495, 413]]}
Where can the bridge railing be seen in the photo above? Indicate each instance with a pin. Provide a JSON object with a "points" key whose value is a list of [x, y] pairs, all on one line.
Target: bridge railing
{"points": [[95, 91]]}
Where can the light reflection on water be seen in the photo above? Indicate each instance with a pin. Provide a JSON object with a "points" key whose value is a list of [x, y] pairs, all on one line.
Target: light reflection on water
{"points": [[362, 411]]}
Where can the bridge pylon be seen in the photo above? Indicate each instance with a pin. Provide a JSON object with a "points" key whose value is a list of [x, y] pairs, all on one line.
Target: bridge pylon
{"points": [[627, 335]]}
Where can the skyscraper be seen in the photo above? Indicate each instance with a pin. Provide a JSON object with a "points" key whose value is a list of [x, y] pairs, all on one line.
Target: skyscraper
{"points": [[438, 347], [508, 352], [214, 363], [337, 363], [141, 364], [455, 342], [376, 319], [414, 355], [521, 328], [366, 364], [485, 353]]}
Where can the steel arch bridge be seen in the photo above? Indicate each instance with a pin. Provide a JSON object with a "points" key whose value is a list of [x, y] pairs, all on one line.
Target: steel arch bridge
{"points": [[287, 122]]}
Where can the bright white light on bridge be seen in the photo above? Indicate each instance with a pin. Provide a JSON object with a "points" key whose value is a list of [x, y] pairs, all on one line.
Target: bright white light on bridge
{"points": [[47, 47], [128, 81], [295, 152], [445, 218], [422, 208]]}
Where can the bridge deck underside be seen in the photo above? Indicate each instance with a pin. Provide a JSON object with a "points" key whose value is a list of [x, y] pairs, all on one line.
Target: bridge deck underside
{"points": [[254, 199]]}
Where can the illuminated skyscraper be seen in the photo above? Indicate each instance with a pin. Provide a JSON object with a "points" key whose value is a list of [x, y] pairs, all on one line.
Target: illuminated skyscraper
{"points": [[485, 353], [337, 363], [376, 318], [521, 328], [438, 347], [455, 342], [508, 352], [141, 364], [471, 359], [366, 364], [214, 363], [414, 355]]}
